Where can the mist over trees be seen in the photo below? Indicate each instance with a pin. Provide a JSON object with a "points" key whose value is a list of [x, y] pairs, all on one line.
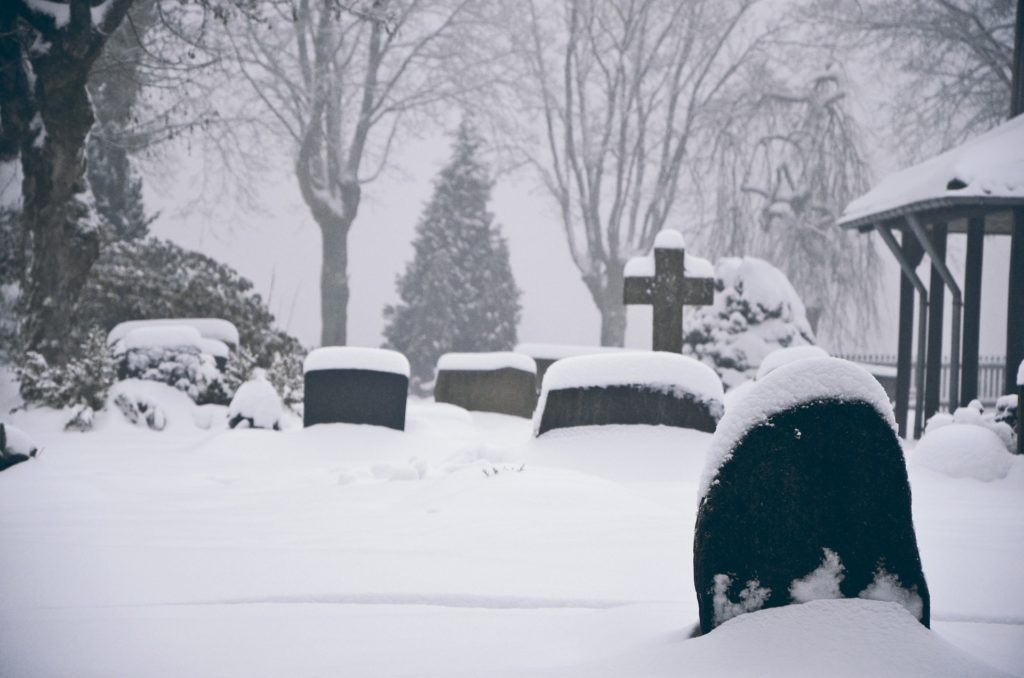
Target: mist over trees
{"points": [[740, 122]]}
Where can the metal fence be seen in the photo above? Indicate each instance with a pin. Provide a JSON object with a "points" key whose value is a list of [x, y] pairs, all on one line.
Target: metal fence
{"points": [[990, 375]]}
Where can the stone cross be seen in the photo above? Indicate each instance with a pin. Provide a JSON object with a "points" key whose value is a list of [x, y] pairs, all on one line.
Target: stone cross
{"points": [[667, 289]]}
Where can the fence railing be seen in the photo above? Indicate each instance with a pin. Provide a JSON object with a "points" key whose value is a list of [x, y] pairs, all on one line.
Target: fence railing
{"points": [[990, 375]]}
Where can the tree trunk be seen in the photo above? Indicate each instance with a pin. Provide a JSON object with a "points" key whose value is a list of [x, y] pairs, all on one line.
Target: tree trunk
{"points": [[57, 217], [334, 290], [609, 300]]}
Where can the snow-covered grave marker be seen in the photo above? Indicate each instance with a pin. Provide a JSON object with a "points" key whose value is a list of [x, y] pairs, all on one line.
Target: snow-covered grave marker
{"points": [[662, 282], [349, 385], [656, 388], [501, 381], [805, 496], [15, 446]]}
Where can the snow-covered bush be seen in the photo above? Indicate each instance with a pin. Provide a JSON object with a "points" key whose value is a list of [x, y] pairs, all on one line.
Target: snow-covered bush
{"points": [[756, 311], [962, 450], [974, 414], [256, 404], [81, 383], [186, 368], [286, 375], [152, 278]]}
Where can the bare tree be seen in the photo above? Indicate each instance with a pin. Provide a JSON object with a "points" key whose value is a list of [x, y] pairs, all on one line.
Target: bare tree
{"points": [[787, 162], [340, 80], [955, 58], [624, 90], [46, 53]]}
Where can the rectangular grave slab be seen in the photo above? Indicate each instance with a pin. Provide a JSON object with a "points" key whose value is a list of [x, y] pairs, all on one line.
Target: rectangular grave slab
{"points": [[805, 496], [653, 388], [499, 382], [350, 385]]}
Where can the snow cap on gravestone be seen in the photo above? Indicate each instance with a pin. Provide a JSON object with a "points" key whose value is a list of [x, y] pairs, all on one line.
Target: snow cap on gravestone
{"points": [[669, 239]]}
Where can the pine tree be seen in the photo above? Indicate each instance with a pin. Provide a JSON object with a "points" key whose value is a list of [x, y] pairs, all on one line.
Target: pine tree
{"points": [[458, 293]]}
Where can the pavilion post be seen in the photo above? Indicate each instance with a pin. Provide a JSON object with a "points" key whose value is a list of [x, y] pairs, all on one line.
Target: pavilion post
{"points": [[1015, 303], [936, 250], [1015, 291], [909, 256], [972, 308]]}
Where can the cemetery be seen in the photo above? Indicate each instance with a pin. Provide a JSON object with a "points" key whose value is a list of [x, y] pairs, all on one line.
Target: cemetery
{"points": [[633, 501], [721, 478]]}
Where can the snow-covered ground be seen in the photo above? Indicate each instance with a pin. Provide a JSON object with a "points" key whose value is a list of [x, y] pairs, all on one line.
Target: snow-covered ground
{"points": [[462, 547]]}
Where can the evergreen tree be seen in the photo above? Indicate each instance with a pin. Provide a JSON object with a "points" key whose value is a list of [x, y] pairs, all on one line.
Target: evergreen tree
{"points": [[458, 293]]}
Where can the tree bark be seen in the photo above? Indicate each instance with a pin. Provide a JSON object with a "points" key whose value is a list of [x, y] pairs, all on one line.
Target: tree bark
{"points": [[608, 299], [334, 291], [63, 234]]}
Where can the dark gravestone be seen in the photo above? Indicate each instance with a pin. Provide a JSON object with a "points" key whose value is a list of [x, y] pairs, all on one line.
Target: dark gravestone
{"points": [[342, 386], [668, 289], [678, 392], [15, 447], [813, 502], [488, 382]]}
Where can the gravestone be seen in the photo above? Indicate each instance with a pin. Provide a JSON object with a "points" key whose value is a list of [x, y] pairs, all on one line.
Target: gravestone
{"points": [[656, 388], [662, 282], [15, 447], [502, 382], [805, 496], [350, 385]]}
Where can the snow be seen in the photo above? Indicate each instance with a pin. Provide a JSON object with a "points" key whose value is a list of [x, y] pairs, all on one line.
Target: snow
{"points": [[650, 368], [790, 385], [821, 584], [209, 328], [60, 12], [18, 442], [1020, 374], [961, 450], [496, 360], [165, 336], [356, 358], [669, 239], [693, 267], [658, 370], [763, 285], [256, 399], [990, 165], [358, 551], [559, 351], [214, 347], [784, 356]]}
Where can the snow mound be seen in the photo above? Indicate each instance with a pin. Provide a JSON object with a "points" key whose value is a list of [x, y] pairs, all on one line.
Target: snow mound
{"points": [[166, 336], [208, 328], [847, 637], [787, 387], [974, 414], [258, 402], [961, 450], [784, 356], [497, 360], [158, 406], [356, 358], [669, 239], [17, 442]]}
